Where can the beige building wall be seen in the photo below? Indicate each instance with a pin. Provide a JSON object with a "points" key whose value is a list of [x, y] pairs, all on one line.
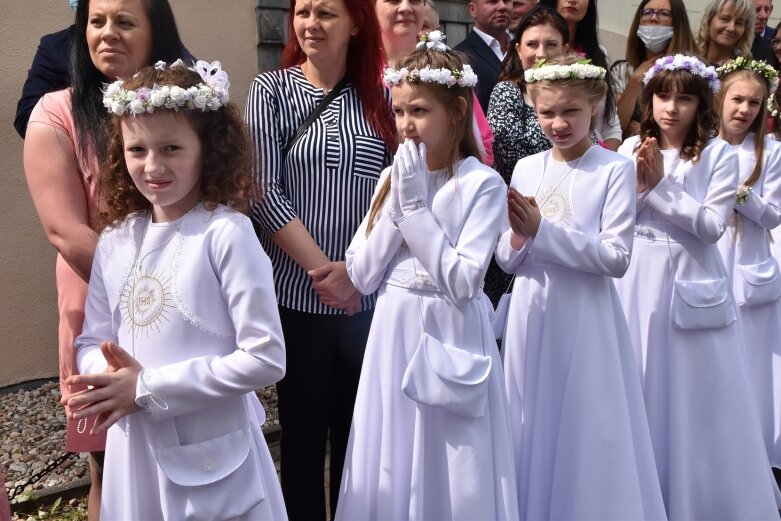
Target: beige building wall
{"points": [[224, 31], [615, 18]]}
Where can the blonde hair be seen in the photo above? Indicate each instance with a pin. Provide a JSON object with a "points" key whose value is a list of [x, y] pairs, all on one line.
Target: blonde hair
{"points": [[743, 8], [759, 125], [594, 89], [462, 139]]}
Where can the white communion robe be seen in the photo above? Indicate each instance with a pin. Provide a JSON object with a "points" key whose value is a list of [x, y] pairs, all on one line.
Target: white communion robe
{"points": [[708, 445], [193, 301], [582, 444], [754, 272], [407, 460]]}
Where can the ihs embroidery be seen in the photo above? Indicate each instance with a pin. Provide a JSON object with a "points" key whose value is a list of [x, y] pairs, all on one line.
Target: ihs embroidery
{"points": [[555, 206], [146, 301]]}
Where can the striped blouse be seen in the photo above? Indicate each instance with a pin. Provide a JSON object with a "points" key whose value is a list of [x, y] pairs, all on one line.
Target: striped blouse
{"points": [[326, 179]]}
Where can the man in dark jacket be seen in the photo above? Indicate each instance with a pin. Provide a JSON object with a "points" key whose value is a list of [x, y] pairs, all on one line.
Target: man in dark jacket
{"points": [[487, 43]]}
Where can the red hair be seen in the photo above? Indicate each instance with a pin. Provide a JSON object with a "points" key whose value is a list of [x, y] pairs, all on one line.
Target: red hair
{"points": [[365, 63]]}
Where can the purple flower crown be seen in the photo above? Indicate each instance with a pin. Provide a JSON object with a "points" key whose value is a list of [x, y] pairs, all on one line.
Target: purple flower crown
{"points": [[681, 62]]}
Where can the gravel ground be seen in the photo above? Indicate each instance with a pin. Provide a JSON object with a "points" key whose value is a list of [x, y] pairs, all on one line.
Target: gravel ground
{"points": [[32, 433]]}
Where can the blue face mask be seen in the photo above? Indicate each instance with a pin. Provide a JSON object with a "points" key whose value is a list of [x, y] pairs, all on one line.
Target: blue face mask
{"points": [[73, 4]]}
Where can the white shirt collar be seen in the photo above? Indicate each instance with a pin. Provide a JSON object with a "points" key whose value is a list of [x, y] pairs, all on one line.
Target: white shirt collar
{"points": [[493, 43]]}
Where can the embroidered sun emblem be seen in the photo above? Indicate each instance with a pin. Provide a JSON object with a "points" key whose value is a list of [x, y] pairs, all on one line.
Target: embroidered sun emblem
{"points": [[555, 207], [145, 302]]}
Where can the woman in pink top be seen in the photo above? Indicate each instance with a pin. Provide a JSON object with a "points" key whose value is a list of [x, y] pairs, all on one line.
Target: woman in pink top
{"points": [[63, 147]]}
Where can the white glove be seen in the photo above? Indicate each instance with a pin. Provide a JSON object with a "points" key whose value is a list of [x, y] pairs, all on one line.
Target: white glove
{"points": [[413, 174], [393, 206]]}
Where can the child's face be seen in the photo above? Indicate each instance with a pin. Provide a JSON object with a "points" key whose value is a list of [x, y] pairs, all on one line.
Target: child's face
{"points": [[565, 117], [422, 117], [163, 156], [675, 112], [742, 103]]}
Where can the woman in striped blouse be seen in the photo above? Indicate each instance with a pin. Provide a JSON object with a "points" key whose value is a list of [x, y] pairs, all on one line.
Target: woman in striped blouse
{"points": [[315, 196]]}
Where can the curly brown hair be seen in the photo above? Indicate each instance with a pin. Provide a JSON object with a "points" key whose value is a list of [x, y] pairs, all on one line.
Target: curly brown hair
{"points": [[226, 150], [706, 124]]}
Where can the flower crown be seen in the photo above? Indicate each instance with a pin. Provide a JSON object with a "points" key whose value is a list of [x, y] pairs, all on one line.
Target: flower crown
{"points": [[582, 70], [435, 41], [772, 110], [465, 78], [760, 68], [681, 62], [212, 94]]}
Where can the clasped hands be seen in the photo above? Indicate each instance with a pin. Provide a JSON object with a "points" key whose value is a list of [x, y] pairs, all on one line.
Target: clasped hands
{"points": [[111, 394], [524, 215], [650, 165]]}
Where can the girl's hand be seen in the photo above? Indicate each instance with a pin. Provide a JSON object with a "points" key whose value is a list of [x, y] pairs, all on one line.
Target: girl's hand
{"points": [[640, 168], [394, 208], [334, 287], [524, 214], [652, 162], [112, 394], [413, 173]]}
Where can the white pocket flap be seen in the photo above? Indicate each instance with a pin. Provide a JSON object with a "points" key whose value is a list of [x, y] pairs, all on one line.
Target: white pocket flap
{"points": [[207, 461], [760, 274], [703, 293], [457, 365]]}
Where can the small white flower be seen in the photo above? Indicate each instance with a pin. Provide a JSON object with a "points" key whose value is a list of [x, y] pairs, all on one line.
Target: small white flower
{"points": [[137, 107]]}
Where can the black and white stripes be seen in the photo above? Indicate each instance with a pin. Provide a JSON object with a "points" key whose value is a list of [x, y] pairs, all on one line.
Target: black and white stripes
{"points": [[326, 180]]}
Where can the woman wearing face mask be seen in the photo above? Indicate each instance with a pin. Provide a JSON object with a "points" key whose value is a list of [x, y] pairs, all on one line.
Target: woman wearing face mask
{"points": [[661, 28], [726, 30]]}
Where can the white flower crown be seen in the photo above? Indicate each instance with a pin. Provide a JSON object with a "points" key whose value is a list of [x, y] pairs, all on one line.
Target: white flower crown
{"points": [[465, 78], [772, 110], [543, 71], [435, 41], [212, 94], [758, 67], [681, 62]]}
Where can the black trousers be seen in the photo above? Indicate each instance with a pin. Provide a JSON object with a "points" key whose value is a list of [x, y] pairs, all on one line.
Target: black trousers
{"points": [[316, 400]]}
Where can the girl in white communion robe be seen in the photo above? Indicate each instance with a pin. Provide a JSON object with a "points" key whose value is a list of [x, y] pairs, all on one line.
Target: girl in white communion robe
{"points": [[180, 282], [430, 437], [582, 445], [708, 445]]}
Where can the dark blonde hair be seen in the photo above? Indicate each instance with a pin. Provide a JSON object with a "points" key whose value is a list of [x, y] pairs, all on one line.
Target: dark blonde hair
{"points": [[226, 153], [759, 125], [706, 122], [462, 138], [593, 89]]}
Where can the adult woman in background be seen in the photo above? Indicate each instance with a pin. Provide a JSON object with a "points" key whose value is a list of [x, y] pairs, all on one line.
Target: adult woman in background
{"points": [[400, 23], [661, 28], [582, 20], [63, 147], [775, 44], [726, 30], [317, 185], [542, 34]]}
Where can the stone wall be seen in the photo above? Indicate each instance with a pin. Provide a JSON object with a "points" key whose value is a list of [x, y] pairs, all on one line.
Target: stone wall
{"points": [[271, 18]]}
